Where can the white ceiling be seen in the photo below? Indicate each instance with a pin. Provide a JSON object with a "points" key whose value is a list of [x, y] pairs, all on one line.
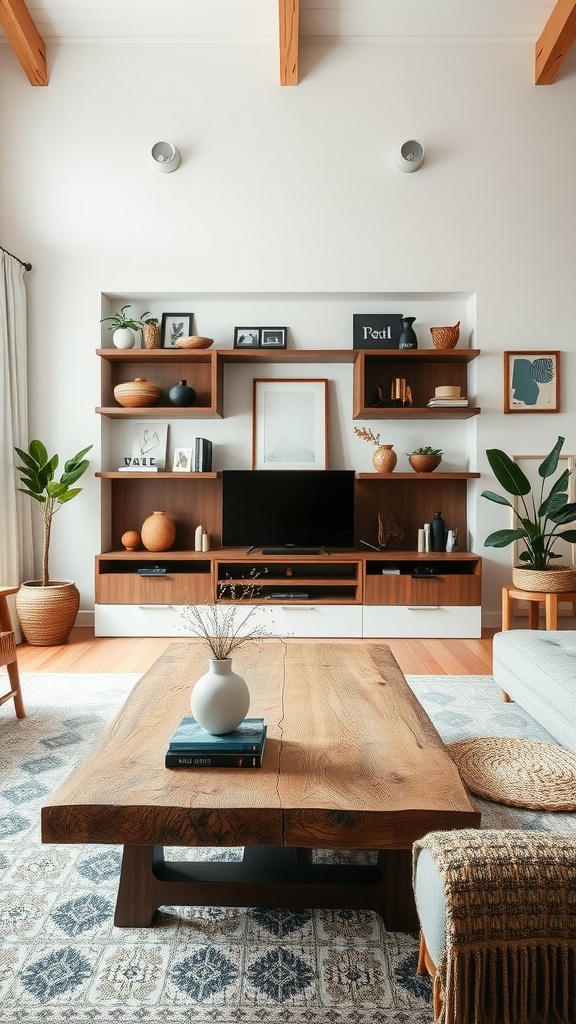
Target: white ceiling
{"points": [[181, 20]]}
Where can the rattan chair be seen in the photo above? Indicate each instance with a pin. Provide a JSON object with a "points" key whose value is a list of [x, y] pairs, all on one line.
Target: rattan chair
{"points": [[8, 654]]}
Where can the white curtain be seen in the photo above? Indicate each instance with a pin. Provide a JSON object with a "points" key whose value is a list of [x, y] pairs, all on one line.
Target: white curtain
{"points": [[16, 551]]}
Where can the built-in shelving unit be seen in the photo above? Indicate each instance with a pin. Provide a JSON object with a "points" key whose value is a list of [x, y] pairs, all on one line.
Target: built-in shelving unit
{"points": [[341, 593]]}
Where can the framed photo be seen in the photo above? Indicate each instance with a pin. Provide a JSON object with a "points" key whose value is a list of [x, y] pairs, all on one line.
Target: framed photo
{"points": [[149, 447], [289, 424], [273, 337], [174, 327], [182, 460], [529, 465], [531, 382], [246, 337]]}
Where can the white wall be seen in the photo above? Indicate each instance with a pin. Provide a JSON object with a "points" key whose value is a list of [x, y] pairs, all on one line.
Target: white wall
{"points": [[289, 189]]}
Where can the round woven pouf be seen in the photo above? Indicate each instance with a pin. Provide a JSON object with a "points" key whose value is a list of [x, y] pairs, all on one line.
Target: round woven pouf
{"points": [[518, 772]]}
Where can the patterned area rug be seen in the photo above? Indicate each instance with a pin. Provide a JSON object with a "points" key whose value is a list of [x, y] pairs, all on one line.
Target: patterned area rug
{"points": [[62, 961]]}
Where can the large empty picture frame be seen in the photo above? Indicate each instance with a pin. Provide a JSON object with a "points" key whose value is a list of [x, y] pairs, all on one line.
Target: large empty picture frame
{"points": [[290, 424]]}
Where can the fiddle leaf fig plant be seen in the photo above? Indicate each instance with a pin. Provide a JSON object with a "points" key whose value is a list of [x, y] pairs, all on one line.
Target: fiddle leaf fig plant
{"points": [[539, 516], [37, 475]]}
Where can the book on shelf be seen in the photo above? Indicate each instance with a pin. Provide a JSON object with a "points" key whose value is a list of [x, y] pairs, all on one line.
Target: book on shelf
{"points": [[446, 403], [191, 738], [181, 760], [202, 455]]}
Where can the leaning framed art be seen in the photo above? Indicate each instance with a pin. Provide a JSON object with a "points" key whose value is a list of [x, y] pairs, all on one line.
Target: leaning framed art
{"points": [[175, 326], [289, 425], [531, 381]]}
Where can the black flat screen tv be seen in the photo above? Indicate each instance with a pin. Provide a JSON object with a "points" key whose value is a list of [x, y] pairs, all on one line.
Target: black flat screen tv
{"points": [[288, 509]]}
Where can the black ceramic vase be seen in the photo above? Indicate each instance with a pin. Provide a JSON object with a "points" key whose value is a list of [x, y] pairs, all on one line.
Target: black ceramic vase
{"points": [[408, 337], [438, 533], [181, 394]]}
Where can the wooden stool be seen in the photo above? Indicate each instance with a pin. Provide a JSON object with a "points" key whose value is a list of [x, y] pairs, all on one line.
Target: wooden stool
{"points": [[533, 597], [8, 653]]}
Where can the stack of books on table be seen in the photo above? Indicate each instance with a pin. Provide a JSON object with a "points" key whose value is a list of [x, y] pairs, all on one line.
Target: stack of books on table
{"points": [[192, 747], [448, 403]]}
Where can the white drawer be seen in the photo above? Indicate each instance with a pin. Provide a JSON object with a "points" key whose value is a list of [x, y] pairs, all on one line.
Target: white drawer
{"points": [[442, 621], [298, 620], [321, 620], [138, 620]]}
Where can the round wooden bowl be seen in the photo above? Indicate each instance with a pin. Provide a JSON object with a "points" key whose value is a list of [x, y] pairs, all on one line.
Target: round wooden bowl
{"points": [[137, 393], [194, 342], [424, 463]]}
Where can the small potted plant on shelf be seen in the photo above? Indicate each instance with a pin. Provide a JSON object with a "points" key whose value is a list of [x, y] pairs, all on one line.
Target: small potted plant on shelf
{"points": [[538, 519], [47, 608], [425, 460], [383, 459], [123, 327]]}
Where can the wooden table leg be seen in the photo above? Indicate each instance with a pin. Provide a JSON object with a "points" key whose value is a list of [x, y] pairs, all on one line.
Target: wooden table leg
{"points": [[552, 611], [506, 609], [267, 877], [533, 614]]}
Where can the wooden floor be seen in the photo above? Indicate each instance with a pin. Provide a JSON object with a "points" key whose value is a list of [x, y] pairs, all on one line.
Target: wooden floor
{"points": [[86, 653]]}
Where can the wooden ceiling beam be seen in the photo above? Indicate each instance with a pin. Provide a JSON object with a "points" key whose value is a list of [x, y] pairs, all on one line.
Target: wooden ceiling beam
{"points": [[557, 37], [289, 13], [25, 39]]}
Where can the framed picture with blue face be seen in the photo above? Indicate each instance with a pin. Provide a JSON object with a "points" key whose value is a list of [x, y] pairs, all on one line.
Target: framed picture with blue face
{"points": [[531, 381]]}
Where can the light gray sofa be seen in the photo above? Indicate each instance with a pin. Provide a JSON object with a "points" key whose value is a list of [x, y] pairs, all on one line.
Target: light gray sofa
{"points": [[537, 669]]}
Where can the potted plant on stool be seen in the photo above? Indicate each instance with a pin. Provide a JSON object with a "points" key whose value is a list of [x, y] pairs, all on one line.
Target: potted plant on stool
{"points": [[47, 608], [539, 518]]}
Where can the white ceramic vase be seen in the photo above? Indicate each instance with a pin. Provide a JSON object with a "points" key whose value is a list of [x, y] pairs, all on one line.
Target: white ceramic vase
{"points": [[124, 337], [220, 698]]}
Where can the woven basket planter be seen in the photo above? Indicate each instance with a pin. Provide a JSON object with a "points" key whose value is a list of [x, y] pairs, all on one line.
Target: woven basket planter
{"points": [[47, 614], [559, 580], [445, 337]]}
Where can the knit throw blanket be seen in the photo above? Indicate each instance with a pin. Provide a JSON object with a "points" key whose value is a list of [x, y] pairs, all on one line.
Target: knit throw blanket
{"points": [[510, 948]]}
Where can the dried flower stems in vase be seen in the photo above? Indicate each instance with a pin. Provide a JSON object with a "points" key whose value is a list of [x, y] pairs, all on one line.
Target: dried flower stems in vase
{"points": [[384, 459]]}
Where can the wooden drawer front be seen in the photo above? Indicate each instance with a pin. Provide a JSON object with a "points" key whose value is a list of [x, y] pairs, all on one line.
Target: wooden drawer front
{"points": [[173, 588], [404, 590], [315, 620], [427, 621]]}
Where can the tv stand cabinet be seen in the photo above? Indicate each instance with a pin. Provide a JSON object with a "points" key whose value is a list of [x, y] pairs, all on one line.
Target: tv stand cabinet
{"points": [[335, 594]]}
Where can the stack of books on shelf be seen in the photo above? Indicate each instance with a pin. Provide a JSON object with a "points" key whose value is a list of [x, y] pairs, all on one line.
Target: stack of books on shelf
{"points": [[447, 396], [192, 747], [448, 403]]}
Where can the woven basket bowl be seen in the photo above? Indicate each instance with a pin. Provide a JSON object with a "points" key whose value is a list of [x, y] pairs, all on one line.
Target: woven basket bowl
{"points": [[445, 337], [560, 580], [194, 342], [47, 614], [137, 393]]}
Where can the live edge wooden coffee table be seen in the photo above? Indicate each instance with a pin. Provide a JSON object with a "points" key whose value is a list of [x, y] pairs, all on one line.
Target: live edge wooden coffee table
{"points": [[352, 762]]}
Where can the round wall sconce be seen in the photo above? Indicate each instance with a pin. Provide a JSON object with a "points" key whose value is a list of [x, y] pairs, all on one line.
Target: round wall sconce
{"points": [[410, 156], [165, 156]]}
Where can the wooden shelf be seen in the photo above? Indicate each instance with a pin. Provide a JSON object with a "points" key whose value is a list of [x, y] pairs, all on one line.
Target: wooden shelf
{"points": [[160, 475], [413, 412], [417, 476], [155, 412], [423, 369]]}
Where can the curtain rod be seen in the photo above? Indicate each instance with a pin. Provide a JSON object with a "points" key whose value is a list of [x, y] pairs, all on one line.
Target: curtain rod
{"points": [[27, 266]]}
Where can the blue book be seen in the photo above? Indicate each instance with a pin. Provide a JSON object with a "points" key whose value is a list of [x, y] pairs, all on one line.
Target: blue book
{"points": [[248, 738]]}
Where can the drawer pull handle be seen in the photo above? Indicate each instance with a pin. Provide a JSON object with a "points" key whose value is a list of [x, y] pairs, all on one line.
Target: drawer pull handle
{"points": [[423, 607], [297, 607], [153, 607]]}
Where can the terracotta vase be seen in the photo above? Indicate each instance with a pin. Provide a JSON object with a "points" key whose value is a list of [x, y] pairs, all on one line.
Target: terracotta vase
{"points": [[384, 459], [158, 532], [138, 393], [220, 698]]}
